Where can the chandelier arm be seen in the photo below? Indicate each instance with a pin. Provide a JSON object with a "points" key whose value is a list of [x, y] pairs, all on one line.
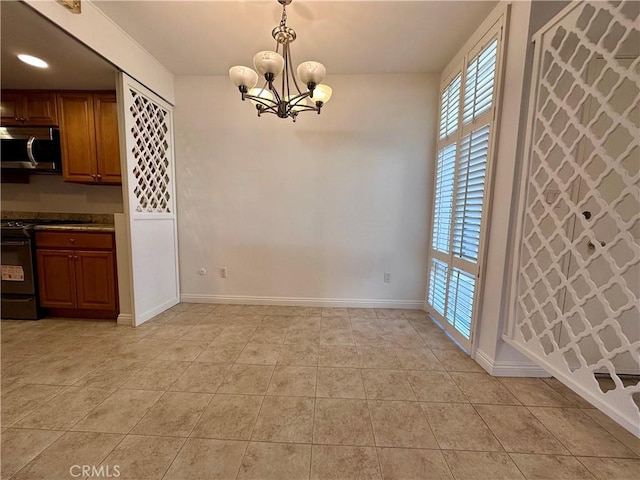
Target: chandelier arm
{"points": [[262, 101], [267, 102], [299, 97], [295, 82], [285, 76], [308, 108], [276, 95]]}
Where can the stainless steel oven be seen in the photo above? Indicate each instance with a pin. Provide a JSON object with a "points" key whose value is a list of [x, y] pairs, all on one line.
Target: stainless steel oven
{"points": [[19, 282]]}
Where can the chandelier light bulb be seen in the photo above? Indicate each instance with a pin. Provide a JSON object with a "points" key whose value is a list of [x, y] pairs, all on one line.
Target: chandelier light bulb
{"points": [[322, 93], [261, 93], [268, 62], [311, 72], [243, 76]]}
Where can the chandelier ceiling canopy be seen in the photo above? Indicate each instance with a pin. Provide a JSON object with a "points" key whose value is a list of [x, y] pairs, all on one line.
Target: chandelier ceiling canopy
{"points": [[276, 67]]}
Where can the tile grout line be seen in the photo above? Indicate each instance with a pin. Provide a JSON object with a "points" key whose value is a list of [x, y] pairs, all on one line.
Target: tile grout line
{"points": [[254, 424], [313, 422]]}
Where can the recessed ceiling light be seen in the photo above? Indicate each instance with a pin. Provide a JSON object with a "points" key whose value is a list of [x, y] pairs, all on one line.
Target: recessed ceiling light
{"points": [[33, 61]]}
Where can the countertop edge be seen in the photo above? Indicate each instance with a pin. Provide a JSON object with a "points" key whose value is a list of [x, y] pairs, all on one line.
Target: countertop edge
{"points": [[107, 228]]}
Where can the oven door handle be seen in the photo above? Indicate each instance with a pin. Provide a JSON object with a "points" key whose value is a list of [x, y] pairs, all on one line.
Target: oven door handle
{"points": [[17, 299], [14, 243], [32, 159]]}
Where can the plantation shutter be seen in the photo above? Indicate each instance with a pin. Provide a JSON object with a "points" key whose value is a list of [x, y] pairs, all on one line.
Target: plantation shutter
{"points": [[437, 285], [480, 78], [465, 134], [443, 205], [460, 305], [470, 194], [450, 110]]}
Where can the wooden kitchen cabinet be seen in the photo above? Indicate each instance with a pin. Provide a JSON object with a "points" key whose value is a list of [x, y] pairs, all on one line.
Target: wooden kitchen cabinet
{"points": [[56, 274], [77, 273], [89, 137], [95, 280], [77, 137], [30, 108], [105, 108]]}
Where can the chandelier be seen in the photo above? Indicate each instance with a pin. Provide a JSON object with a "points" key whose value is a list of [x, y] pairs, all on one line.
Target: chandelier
{"points": [[290, 100]]}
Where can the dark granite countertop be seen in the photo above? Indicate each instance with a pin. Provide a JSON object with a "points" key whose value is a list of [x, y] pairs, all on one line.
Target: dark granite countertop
{"points": [[76, 222]]}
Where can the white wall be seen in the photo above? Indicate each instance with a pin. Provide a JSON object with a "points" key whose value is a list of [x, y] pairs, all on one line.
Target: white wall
{"points": [[48, 193], [315, 210]]}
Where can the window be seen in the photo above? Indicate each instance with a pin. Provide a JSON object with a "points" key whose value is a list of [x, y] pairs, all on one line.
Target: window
{"points": [[467, 111]]}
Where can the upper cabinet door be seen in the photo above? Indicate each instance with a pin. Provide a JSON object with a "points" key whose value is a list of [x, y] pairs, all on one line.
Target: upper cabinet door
{"points": [[77, 137], [107, 144], [11, 108], [29, 108], [40, 109]]}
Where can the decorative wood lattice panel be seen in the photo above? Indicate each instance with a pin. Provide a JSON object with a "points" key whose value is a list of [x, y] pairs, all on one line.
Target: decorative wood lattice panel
{"points": [[151, 170], [579, 266]]}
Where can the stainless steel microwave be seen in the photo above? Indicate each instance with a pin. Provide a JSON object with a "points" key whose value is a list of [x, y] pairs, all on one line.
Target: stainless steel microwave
{"points": [[31, 148]]}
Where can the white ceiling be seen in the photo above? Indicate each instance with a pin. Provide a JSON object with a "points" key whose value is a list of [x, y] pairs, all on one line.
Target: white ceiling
{"points": [[207, 37], [348, 36], [72, 66]]}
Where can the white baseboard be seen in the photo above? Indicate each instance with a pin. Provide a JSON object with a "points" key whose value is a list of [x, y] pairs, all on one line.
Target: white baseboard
{"points": [[508, 369], [303, 301], [148, 315], [125, 319]]}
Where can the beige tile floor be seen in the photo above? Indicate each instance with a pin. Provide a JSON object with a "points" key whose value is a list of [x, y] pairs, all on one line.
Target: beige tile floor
{"points": [[251, 392]]}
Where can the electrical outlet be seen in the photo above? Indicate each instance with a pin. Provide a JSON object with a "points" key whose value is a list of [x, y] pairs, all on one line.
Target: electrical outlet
{"points": [[387, 277], [223, 272]]}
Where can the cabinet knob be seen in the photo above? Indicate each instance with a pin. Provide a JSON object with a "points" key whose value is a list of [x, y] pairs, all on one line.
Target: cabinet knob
{"points": [[75, 257], [99, 177], [72, 240], [69, 256]]}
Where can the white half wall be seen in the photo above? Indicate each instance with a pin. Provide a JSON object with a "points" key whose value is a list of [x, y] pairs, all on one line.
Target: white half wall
{"points": [[308, 213]]}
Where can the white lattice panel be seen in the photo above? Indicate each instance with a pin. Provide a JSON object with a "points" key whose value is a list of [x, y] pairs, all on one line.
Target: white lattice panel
{"points": [[150, 206], [578, 274], [151, 151]]}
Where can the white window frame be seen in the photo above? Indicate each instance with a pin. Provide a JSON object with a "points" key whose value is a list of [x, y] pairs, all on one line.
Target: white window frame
{"points": [[495, 26]]}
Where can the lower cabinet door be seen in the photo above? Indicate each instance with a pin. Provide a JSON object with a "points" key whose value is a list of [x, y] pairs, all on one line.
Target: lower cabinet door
{"points": [[57, 278], [95, 280]]}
